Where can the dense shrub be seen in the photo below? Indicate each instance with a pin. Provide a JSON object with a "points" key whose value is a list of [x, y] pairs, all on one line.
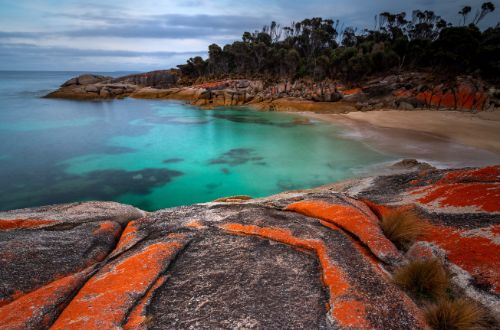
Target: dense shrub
{"points": [[318, 48]]}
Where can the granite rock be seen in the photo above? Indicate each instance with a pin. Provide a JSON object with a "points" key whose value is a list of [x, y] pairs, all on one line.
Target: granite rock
{"points": [[305, 259]]}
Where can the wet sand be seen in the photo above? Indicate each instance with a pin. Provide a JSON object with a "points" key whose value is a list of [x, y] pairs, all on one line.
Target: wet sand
{"points": [[444, 139]]}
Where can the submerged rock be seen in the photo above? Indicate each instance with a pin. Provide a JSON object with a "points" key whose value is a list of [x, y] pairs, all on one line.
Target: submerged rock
{"points": [[310, 259]]}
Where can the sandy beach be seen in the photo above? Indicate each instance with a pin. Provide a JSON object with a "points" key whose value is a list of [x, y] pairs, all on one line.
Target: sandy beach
{"points": [[446, 139]]}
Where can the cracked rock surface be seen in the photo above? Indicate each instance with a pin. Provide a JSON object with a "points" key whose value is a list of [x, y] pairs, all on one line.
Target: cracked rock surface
{"points": [[312, 259]]}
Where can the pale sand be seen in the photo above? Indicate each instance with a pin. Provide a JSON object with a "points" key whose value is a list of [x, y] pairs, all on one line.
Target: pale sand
{"points": [[444, 138]]}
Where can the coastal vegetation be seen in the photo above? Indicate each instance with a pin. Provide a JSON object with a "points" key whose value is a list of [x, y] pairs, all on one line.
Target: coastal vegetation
{"points": [[319, 48], [427, 279], [401, 227], [460, 314], [423, 279]]}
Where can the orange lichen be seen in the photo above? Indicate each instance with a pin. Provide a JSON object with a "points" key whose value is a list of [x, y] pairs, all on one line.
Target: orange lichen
{"points": [[329, 225], [24, 223], [105, 299], [108, 227], [137, 319], [351, 91], [402, 93], [351, 313], [333, 277], [379, 210], [195, 224], [180, 236], [484, 196], [476, 254], [383, 211], [24, 312], [485, 174], [464, 98], [128, 237], [352, 220]]}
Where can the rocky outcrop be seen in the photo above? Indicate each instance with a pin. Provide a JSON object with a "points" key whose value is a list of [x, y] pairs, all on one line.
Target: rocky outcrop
{"points": [[86, 79], [405, 91], [282, 97], [154, 79], [94, 87], [95, 91], [408, 91], [462, 210], [306, 259]]}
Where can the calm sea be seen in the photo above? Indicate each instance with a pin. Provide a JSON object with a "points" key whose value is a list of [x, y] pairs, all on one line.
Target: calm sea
{"points": [[156, 154]]}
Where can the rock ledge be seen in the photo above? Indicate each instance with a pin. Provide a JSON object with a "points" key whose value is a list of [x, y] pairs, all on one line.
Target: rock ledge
{"points": [[309, 259]]}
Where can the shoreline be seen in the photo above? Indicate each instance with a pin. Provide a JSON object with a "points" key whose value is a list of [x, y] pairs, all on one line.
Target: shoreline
{"points": [[445, 138], [442, 139]]}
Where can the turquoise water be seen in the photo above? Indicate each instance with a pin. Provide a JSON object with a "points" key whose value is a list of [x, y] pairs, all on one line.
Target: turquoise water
{"points": [[156, 154]]}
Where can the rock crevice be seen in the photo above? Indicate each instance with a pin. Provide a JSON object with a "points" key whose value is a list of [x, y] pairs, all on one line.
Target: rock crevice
{"points": [[309, 259]]}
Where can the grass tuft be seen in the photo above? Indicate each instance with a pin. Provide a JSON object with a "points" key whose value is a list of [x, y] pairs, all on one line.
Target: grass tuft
{"points": [[402, 227], [460, 314], [423, 279]]}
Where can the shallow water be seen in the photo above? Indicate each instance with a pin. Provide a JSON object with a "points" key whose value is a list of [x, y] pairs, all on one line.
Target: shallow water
{"points": [[157, 154]]}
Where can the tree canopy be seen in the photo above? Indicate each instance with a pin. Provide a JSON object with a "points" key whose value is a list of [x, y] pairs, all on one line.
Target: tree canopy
{"points": [[322, 48]]}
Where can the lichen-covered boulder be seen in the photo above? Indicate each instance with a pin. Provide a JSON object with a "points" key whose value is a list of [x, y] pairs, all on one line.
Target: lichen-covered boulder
{"points": [[462, 210], [315, 259]]}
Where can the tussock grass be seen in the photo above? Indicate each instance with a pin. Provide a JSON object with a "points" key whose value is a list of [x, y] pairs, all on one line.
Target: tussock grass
{"points": [[460, 314], [423, 279], [402, 227]]}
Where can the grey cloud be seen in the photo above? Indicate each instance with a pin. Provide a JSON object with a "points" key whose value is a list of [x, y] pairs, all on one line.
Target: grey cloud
{"points": [[9, 49], [173, 26], [104, 20], [4, 34], [227, 27]]}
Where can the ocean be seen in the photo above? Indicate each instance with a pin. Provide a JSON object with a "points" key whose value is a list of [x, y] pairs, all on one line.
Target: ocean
{"points": [[156, 154]]}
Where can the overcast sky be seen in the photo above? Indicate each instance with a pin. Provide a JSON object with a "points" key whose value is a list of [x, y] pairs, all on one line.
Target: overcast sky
{"points": [[136, 35]]}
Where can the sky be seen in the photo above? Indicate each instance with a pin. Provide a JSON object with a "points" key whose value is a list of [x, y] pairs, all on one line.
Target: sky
{"points": [[141, 35]]}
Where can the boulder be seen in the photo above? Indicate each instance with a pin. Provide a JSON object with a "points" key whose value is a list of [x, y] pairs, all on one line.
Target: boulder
{"points": [[113, 90], [91, 89], [71, 82], [320, 255], [335, 97], [242, 84], [377, 90], [460, 208], [88, 79], [411, 164], [405, 106], [104, 92], [214, 244], [159, 79]]}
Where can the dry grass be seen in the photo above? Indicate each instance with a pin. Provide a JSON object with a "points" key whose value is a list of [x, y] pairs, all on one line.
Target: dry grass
{"points": [[423, 279], [402, 227], [460, 314]]}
